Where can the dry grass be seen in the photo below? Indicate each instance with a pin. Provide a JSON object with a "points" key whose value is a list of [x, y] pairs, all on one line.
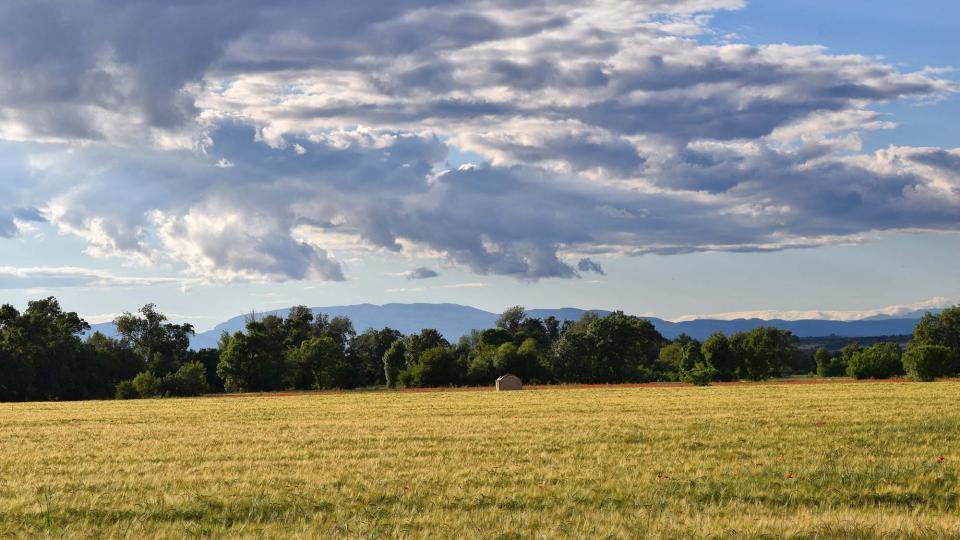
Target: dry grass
{"points": [[804, 461]]}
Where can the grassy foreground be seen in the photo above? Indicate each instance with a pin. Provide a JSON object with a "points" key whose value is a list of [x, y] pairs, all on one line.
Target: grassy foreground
{"points": [[808, 461]]}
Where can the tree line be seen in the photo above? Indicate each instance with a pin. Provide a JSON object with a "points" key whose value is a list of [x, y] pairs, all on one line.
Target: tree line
{"points": [[43, 355]]}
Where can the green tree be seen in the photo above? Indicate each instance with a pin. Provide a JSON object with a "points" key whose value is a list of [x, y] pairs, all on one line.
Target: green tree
{"points": [[764, 352], [522, 361], [718, 353], [394, 361], [417, 344], [210, 358], [881, 361], [367, 351], [41, 357], [494, 337], [339, 329], [298, 326], [107, 361], [626, 347], [162, 345], [436, 367], [823, 358], [480, 364], [511, 319], [830, 365], [928, 362], [574, 358], [690, 356], [254, 361], [942, 329], [318, 363], [670, 358]]}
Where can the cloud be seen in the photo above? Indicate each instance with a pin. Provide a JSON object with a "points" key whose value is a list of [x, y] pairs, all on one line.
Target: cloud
{"points": [[16, 220], [270, 141], [893, 311], [587, 265], [406, 289], [470, 285], [421, 273], [64, 277]]}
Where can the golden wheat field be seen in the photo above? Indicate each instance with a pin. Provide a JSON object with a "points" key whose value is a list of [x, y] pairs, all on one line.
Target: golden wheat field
{"points": [[775, 460]]}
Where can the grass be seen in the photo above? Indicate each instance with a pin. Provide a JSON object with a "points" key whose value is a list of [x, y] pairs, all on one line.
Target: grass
{"points": [[764, 461]]}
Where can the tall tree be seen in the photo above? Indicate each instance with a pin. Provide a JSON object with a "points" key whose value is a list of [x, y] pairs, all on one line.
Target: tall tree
{"points": [[162, 345], [298, 326], [394, 361], [719, 354], [626, 346], [511, 318], [43, 357], [764, 352], [417, 344], [254, 361], [367, 350], [942, 329]]}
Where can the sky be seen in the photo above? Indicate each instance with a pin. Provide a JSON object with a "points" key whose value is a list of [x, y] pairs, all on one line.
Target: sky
{"points": [[675, 158]]}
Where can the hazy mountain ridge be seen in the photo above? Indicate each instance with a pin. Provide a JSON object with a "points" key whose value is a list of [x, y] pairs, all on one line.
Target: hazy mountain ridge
{"points": [[455, 320]]}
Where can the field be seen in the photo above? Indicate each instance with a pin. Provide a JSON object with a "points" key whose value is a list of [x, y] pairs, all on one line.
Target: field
{"points": [[775, 460]]}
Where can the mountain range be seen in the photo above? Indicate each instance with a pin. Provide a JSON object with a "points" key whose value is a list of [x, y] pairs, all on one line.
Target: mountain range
{"points": [[455, 320]]}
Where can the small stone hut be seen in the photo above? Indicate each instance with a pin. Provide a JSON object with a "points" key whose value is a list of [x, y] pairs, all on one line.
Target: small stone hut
{"points": [[509, 382]]}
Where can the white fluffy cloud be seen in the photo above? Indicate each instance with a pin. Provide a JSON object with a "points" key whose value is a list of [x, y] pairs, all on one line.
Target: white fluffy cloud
{"points": [[894, 311], [250, 140]]}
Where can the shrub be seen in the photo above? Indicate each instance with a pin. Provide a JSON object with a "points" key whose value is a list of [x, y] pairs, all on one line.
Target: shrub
{"points": [[701, 374], [189, 380], [927, 362], [146, 384], [881, 361], [127, 390]]}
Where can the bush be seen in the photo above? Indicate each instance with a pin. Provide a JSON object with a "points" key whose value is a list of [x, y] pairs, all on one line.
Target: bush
{"points": [[882, 361], [146, 384], [927, 362], [126, 390], [189, 380], [701, 374]]}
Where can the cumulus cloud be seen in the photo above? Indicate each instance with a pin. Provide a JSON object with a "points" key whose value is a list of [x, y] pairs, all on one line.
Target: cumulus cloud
{"points": [[247, 140]]}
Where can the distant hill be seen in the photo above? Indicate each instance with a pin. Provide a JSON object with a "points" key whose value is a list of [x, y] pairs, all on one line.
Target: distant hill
{"points": [[700, 329], [454, 320]]}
